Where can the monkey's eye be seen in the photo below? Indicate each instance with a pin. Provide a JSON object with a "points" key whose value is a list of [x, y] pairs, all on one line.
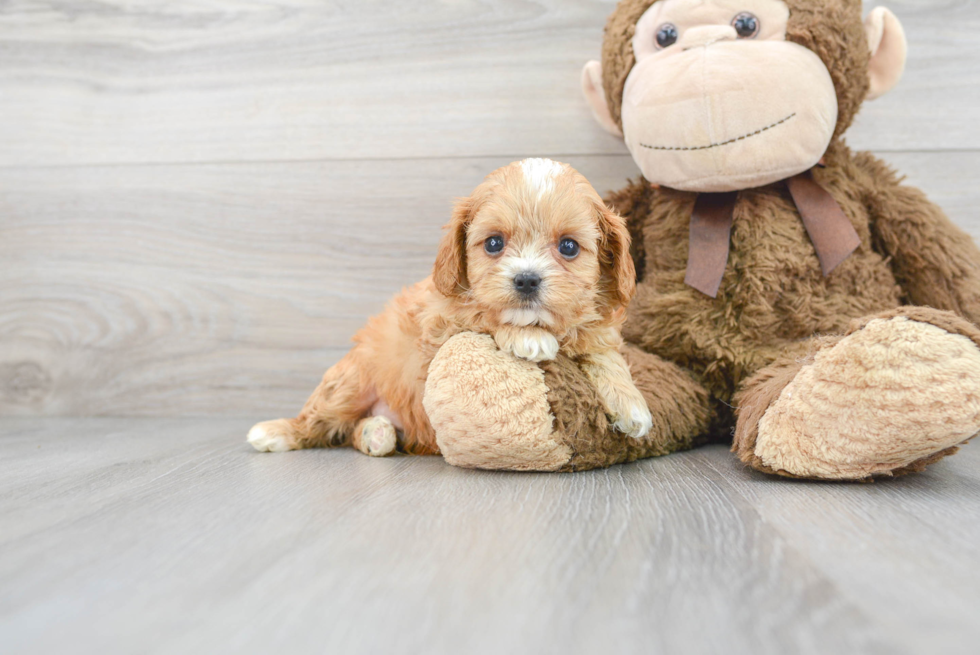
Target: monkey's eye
{"points": [[568, 248], [494, 245], [746, 25], [666, 35]]}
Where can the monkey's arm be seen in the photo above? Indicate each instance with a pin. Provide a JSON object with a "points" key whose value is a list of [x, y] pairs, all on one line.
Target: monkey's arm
{"points": [[633, 204], [937, 263]]}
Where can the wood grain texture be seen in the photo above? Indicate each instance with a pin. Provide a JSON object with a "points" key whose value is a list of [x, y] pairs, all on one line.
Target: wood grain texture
{"points": [[218, 290], [858, 534], [209, 290], [187, 81], [137, 535], [138, 279]]}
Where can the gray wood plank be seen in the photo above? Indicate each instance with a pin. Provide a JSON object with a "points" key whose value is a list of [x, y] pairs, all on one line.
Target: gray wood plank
{"points": [[182, 81], [920, 533], [170, 535], [211, 290], [218, 290], [934, 107]]}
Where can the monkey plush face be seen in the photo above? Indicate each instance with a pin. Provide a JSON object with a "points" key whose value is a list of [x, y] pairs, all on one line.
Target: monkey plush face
{"points": [[723, 95]]}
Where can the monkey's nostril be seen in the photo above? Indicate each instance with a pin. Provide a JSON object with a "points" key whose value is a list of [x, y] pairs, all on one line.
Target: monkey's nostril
{"points": [[527, 283]]}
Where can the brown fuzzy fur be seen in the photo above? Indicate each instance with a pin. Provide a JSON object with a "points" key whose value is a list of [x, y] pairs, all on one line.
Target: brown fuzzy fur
{"points": [[696, 357], [773, 295], [582, 424]]}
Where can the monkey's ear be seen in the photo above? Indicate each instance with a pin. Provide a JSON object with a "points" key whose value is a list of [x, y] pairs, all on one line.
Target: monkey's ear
{"points": [[449, 272], [592, 88], [886, 38]]}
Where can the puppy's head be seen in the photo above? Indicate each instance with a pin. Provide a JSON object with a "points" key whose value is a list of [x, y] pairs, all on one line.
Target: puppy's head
{"points": [[535, 244]]}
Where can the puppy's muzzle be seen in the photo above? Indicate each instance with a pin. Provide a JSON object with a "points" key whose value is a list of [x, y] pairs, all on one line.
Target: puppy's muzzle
{"points": [[527, 284]]}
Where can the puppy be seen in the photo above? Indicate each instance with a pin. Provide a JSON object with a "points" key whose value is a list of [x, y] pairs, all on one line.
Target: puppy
{"points": [[533, 258]]}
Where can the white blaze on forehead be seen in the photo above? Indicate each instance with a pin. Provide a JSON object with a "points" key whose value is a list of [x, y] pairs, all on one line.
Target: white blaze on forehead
{"points": [[540, 174]]}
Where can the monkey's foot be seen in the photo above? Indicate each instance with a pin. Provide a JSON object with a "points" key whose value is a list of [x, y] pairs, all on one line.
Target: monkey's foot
{"points": [[893, 396]]}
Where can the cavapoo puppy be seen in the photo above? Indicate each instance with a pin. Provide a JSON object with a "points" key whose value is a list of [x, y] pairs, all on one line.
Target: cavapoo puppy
{"points": [[533, 258]]}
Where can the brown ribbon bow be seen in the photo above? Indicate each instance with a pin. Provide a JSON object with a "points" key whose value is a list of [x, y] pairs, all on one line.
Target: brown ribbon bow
{"points": [[833, 236]]}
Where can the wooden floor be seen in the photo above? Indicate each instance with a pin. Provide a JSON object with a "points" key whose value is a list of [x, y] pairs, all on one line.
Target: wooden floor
{"points": [[200, 202], [126, 536]]}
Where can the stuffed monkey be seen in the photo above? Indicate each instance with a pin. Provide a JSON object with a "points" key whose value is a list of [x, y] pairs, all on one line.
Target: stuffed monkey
{"points": [[791, 294]]}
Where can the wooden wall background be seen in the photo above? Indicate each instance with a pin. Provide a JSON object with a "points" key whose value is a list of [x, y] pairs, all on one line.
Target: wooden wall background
{"points": [[201, 201]]}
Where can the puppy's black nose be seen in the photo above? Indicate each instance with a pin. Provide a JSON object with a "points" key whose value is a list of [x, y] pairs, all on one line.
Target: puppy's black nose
{"points": [[527, 284]]}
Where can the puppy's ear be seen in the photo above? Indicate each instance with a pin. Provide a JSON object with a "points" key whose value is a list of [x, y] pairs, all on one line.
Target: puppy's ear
{"points": [[618, 272], [449, 273]]}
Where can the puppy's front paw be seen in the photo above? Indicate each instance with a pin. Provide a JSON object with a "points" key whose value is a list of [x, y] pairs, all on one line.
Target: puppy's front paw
{"points": [[631, 416], [271, 437], [637, 423], [540, 347], [533, 345]]}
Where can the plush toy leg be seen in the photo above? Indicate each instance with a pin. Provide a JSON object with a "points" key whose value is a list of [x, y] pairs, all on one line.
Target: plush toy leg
{"points": [[489, 409], [898, 392], [493, 411], [679, 404]]}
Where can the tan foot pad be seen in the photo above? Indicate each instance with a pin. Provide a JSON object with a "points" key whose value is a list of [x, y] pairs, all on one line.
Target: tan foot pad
{"points": [[378, 437], [892, 393]]}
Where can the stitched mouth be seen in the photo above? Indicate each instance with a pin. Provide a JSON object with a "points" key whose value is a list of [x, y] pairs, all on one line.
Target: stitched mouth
{"points": [[723, 143]]}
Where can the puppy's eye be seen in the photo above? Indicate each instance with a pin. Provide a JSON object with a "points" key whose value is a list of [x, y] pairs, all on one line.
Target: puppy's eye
{"points": [[568, 248], [494, 245], [666, 35], [746, 25]]}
